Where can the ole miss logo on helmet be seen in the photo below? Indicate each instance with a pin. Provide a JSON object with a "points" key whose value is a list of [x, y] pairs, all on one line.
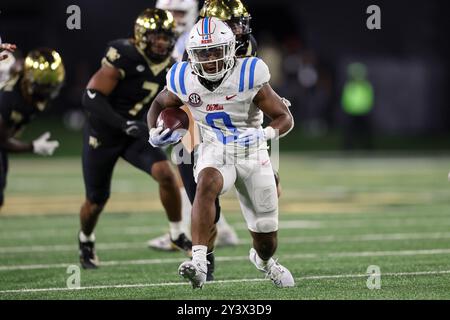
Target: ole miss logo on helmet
{"points": [[206, 30]]}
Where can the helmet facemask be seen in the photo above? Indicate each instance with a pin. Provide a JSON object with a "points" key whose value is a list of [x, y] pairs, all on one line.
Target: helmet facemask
{"points": [[212, 62], [158, 45]]}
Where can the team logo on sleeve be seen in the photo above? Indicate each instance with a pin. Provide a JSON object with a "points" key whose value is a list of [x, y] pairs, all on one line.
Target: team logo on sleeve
{"points": [[112, 54], [195, 100]]}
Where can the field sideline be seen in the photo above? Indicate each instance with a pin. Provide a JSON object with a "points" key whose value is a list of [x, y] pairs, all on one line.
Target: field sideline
{"points": [[338, 216]]}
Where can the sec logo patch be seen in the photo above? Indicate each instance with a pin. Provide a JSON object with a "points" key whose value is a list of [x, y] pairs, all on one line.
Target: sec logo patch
{"points": [[195, 100]]}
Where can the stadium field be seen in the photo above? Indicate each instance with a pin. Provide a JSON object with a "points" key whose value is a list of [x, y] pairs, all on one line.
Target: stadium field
{"points": [[338, 216]]}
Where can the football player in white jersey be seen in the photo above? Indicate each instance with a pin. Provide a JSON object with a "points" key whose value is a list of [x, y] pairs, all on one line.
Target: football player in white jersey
{"points": [[227, 97], [186, 13]]}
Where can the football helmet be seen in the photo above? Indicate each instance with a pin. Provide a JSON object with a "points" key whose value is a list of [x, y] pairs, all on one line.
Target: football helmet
{"points": [[188, 8], [154, 33], [43, 74], [235, 14], [211, 48]]}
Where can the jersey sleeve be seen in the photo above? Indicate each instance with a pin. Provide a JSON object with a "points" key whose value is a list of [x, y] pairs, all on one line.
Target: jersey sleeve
{"points": [[259, 75], [116, 57], [176, 79]]}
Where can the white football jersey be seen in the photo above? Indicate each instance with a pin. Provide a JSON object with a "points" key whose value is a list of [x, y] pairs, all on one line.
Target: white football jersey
{"points": [[227, 111]]}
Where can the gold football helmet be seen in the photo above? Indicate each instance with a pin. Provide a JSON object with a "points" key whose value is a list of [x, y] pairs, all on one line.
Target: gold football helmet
{"points": [[154, 33], [234, 13], [43, 74]]}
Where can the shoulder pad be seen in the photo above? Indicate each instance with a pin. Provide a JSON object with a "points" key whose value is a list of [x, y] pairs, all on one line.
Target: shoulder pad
{"points": [[253, 73], [176, 78]]}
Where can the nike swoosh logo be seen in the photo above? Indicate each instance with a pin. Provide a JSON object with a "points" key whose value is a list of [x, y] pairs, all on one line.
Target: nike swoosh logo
{"points": [[91, 94], [230, 97]]}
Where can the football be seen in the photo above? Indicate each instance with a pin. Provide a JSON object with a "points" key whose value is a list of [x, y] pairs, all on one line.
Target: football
{"points": [[174, 118]]}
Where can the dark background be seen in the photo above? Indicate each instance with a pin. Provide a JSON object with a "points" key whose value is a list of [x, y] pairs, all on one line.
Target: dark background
{"points": [[407, 59]]}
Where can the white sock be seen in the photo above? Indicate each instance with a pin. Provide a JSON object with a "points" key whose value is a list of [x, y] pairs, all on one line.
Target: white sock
{"points": [[84, 238], [186, 209], [199, 253], [175, 230]]}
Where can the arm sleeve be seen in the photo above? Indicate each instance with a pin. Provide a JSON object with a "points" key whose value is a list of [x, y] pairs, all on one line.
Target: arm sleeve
{"points": [[98, 105], [114, 57]]}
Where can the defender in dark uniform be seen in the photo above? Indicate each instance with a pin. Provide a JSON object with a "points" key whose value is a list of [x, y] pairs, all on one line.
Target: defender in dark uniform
{"points": [[22, 97], [116, 101]]}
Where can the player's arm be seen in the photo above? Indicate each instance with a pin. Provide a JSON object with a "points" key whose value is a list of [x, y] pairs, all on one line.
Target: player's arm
{"points": [[158, 137], [95, 100], [11, 144], [164, 99], [41, 145], [273, 106]]}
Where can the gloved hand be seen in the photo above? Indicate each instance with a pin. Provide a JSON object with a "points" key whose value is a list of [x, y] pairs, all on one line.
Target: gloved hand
{"points": [[159, 138], [42, 146], [135, 129], [251, 136]]}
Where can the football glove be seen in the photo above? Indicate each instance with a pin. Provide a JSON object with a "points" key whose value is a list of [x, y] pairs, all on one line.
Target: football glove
{"points": [[159, 138], [254, 135], [42, 146]]}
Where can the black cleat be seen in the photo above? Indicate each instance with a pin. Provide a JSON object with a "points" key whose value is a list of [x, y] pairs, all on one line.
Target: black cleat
{"points": [[88, 258], [210, 265], [182, 243]]}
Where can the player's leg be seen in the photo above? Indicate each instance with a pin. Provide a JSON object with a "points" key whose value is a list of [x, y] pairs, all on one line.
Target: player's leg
{"points": [[3, 175], [187, 185], [259, 203], [98, 163], [213, 178], [154, 162]]}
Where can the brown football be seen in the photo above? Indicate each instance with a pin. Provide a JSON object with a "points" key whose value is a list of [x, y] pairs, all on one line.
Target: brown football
{"points": [[174, 118]]}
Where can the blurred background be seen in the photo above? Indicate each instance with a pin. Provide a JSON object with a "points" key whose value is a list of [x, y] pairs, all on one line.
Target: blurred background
{"points": [[350, 87]]}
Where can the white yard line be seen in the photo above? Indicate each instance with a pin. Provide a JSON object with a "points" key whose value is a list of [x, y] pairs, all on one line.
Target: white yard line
{"points": [[235, 258], [305, 239], [167, 284]]}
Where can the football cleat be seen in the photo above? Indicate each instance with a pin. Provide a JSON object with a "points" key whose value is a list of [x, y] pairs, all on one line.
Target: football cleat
{"points": [[280, 276], [88, 258], [162, 243], [226, 237], [182, 243], [210, 266], [195, 272]]}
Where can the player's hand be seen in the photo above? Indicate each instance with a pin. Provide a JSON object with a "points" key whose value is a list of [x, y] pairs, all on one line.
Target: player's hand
{"points": [[251, 136], [135, 129], [160, 138], [44, 147], [7, 47]]}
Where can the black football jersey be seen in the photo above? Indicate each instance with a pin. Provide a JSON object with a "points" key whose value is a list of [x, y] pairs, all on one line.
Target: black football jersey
{"points": [[14, 109], [141, 79]]}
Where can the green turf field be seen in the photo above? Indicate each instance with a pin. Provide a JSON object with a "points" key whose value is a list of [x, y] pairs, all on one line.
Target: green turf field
{"points": [[338, 216]]}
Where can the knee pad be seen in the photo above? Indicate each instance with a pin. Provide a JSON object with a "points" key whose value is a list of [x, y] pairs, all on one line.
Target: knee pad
{"points": [[266, 225]]}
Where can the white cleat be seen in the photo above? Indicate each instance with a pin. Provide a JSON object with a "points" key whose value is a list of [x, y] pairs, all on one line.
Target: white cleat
{"points": [[280, 276], [226, 237], [194, 271], [162, 243]]}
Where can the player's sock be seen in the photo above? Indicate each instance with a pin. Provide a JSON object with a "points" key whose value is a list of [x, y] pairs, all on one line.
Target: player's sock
{"points": [[186, 209], [84, 238], [175, 230], [199, 253]]}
